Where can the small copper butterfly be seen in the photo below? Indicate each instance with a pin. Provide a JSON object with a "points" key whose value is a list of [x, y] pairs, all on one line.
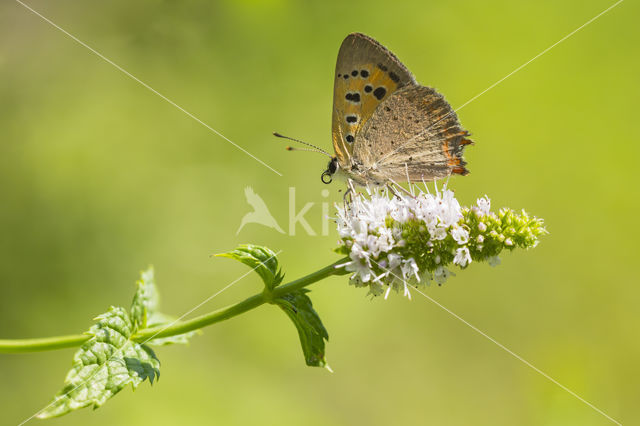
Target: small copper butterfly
{"points": [[387, 127]]}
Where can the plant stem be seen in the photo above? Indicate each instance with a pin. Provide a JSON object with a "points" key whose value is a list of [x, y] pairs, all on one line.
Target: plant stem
{"points": [[180, 327], [42, 344]]}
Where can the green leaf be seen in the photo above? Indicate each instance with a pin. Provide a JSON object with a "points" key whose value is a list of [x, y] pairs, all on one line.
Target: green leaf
{"points": [[105, 364], [146, 299], [262, 260], [145, 314], [297, 305]]}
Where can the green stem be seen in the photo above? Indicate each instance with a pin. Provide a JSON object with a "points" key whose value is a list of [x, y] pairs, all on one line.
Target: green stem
{"points": [[42, 344], [59, 342]]}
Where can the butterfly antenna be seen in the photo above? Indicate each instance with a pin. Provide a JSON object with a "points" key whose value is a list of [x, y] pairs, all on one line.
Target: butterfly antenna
{"points": [[313, 148], [291, 148]]}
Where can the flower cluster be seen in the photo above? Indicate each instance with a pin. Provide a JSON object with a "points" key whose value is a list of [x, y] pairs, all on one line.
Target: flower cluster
{"points": [[400, 240]]}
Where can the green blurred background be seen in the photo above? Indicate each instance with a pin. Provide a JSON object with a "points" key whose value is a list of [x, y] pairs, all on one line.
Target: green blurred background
{"points": [[99, 177]]}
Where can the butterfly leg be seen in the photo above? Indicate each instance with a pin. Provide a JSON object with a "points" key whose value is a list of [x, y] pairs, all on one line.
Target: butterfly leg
{"points": [[394, 190], [394, 186], [350, 192], [347, 193]]}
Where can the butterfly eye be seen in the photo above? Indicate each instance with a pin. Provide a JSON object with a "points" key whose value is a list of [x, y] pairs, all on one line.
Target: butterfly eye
{"points": [[333, 166]]}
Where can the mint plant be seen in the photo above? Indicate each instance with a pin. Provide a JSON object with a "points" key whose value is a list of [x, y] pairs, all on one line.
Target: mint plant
{"points": [[390, 241], [395, 242]]}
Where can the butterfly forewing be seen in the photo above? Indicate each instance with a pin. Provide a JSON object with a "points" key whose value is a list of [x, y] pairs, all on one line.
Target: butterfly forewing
{"points": [[414, 133], [366, 75]]}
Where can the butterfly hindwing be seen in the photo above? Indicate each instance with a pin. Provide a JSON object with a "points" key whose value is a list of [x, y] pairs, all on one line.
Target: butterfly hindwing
{"points": [[366, 75], [414, 132]]}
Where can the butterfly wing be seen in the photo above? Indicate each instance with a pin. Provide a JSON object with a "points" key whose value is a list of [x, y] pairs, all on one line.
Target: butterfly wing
{"points": [[413, 133], [366, 74]]}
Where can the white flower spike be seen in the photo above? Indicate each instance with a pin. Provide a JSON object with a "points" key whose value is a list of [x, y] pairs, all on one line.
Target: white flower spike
{"points": [[399, 240]]}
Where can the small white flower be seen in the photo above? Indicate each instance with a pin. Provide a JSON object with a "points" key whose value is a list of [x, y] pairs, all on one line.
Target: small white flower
{"points": [[480, 239], [508, 242], [439, 233], [460, 234], [409, 269], [484, 205], [359, 265], [482, 227], [463, 257], [395, 260], [400, 213], [361, 271]]}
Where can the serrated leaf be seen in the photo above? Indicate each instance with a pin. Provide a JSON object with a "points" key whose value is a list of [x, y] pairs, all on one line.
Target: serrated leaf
{"points": [[261, 259], [145, 313], [104, 365], [146, 299], [298, 307]]}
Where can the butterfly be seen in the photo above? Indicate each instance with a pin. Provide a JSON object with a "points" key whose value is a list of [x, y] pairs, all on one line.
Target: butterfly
{"points": [[385, 126]]}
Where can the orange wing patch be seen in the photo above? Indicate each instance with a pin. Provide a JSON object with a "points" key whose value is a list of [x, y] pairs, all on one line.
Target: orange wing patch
{"points": [[357, 94], [452, 148]]}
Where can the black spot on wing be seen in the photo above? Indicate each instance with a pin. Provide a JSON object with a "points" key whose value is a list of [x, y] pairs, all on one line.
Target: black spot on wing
{"points": [[353, 97], [354, 73], [364, 73], [382, 67], [368, 88], [351, 119], [350, 138], [393, 76], [379, 93]]}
